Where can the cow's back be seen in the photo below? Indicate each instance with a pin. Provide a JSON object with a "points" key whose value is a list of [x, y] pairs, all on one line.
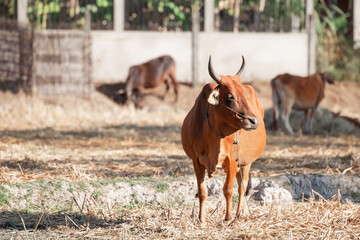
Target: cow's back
{"points": [[157, 69], [304, 92]]}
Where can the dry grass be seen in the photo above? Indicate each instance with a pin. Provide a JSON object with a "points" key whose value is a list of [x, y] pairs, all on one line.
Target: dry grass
{"points": [[313, 219], [81, 139]]}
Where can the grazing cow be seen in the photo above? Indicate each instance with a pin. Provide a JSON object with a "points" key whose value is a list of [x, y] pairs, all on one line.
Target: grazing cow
{"points": [[149, 75], [299, 93], [223, 113]]}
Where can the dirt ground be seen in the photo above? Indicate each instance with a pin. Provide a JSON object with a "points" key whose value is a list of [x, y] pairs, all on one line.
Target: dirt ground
{"points": [[99, 138]]}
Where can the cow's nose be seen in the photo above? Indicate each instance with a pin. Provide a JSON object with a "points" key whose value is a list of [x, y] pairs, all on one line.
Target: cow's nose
{"points": [[254, 122]]}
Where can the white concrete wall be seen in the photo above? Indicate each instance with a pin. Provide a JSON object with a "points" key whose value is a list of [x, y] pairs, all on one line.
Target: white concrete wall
{"points": [[356, 27], [266, 54]]}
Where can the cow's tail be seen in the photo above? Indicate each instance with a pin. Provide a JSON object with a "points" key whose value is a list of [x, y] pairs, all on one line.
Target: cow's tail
{"points": [[276, 103]]}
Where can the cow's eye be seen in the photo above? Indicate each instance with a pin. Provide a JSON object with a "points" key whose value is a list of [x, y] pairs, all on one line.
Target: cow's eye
{"points": [[230, 97]]}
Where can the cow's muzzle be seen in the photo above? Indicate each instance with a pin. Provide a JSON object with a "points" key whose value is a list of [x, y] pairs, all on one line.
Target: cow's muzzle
{"points": [[251, 123]]}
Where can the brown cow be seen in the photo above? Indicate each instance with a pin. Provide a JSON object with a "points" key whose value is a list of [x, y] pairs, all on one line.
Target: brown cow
{"points": [[299, 93], [221, 114], [149, 75]]}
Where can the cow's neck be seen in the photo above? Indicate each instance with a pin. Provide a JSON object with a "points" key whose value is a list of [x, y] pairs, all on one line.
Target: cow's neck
{"points": [[218, 127]]}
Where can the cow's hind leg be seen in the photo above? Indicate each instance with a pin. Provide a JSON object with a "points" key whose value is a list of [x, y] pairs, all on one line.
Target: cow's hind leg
{"points": [[285, 115], [312, 116], [230, 167], [243, 181], [202, 189], [167, 88], [137, 98], [172, 75], [276, 106], [276, 113]]}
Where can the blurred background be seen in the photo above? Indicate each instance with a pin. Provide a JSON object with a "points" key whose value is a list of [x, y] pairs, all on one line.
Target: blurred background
{"points": [[275, 37], [63, 67], [64, 64]]}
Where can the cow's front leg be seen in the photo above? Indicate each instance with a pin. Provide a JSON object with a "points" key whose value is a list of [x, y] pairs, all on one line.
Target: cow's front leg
{"points": [[243, 181], [202, 190], [230, 168], [306, 128]]}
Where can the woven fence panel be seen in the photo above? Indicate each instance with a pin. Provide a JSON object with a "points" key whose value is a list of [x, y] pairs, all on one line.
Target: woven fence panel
{"points": [[62, 63], [10, 55], [15, 56]]}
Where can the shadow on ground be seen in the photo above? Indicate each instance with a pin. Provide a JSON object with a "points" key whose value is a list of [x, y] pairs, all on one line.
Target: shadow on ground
{"points": [[15, 220], [12, 86], [120, 132], [114, 91]]}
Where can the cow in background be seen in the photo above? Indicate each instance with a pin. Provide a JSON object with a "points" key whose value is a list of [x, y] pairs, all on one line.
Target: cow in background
{"points": [[224, 129], [149, 75], [299, 93]]}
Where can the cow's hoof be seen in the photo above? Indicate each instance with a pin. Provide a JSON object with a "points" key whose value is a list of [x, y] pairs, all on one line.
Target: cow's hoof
{"points": [[203, 224]]}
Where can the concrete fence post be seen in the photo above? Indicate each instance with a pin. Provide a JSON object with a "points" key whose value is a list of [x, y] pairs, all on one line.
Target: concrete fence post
{"points": [[356, 28], [119, 15], [209, 15], [195, 46], [22, 6], [311, 36], [236, 16]]}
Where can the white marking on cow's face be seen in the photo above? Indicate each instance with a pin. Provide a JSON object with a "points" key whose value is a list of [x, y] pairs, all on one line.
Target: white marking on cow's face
{"points": [[214, 97]]}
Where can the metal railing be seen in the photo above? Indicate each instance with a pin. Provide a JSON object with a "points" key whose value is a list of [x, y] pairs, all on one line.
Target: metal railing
{"points": [[8, 9], [66, 14], [260, 15], [164, 15], [160, 15]]}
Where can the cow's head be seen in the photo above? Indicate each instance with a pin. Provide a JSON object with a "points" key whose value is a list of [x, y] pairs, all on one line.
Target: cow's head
{"points": [[230, 100], [325, 79]]}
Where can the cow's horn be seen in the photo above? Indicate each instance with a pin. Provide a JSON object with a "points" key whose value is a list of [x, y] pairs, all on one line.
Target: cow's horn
{"points": [[241, 68], [216, 77]]}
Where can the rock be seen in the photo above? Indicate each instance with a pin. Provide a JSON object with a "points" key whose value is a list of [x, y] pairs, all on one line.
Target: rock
{"points": [[325, 122], [214, 187], [267, 192], [326, 185]]}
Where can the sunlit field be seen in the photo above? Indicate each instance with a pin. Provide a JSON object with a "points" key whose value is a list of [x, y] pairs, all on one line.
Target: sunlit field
{"points": [[60, 154]]}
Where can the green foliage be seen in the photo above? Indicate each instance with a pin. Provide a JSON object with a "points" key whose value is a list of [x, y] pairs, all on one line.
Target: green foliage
{"points": [[160, 14], [336, 54], [96, 195], [325, 19], [235, 198], [4, 198], [162, 187], [8, 8], [259, 16], [71, 189], [47, 14]]}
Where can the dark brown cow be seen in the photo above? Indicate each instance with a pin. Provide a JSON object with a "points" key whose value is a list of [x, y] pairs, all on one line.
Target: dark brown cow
{"points": [[149, 75], [222, 113], [299, 93]]}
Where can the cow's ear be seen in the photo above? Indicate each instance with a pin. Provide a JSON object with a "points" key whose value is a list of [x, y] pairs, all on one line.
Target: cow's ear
{"points": [[214, 97]]}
